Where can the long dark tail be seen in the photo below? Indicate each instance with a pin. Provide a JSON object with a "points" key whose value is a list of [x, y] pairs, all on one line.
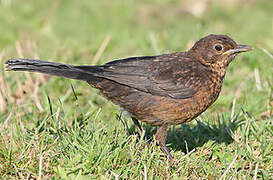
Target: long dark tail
{"points": [[85, 73]]}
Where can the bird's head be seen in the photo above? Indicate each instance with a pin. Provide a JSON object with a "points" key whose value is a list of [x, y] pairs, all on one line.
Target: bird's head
{"points": [[217, 50]]}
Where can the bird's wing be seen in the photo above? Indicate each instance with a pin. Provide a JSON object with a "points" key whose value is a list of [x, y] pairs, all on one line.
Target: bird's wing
{"points": [[165, 75]]}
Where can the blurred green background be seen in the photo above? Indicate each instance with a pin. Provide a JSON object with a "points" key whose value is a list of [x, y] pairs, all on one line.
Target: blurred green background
{"points": [[77, 133], [82, 26]]}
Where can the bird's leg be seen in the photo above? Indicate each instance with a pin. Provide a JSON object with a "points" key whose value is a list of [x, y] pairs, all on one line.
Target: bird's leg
{"points": [[161, 136], [138, 126], [139, 129]]}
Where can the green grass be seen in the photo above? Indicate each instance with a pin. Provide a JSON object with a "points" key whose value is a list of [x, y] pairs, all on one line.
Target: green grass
{"points": [[50, 130]]}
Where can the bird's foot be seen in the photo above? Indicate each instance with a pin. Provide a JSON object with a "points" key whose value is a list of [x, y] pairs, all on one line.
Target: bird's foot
{"points": [[166, 151]]}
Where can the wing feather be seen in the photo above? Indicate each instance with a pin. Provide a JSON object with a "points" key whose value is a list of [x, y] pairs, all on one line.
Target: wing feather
{"points": [[165, 75]]}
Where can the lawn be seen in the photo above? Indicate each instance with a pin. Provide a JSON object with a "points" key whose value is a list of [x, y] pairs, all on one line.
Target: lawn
{"points": [[63, 129]]}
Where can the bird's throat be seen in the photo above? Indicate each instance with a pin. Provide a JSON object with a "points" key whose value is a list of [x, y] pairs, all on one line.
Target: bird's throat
{"points": [[219, 69]]}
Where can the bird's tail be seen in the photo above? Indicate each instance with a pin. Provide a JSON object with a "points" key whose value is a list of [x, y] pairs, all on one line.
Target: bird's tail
{"points": [[85, 73]]}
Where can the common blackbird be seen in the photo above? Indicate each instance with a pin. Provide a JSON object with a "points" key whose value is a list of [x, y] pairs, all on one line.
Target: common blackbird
{"points": [[160, 90]]}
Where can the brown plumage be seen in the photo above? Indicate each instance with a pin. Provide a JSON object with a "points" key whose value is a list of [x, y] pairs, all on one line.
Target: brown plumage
{"points": [[159, 90]]}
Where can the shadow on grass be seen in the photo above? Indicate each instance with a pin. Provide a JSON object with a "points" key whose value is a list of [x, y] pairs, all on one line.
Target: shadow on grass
{"points": [[185, 137]]}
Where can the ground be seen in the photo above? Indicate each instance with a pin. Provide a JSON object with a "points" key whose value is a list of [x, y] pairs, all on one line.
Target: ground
{"points": [[63, 129]]}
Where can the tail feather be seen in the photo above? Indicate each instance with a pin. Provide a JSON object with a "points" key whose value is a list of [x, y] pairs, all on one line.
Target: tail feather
{"points": [[52, 68]]}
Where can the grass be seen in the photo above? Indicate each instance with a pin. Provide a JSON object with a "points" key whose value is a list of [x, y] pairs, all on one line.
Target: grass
{"points": [[62, 129]]}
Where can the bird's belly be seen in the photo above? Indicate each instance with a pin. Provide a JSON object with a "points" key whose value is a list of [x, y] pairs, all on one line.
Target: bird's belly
{"points": [[158, 110]]}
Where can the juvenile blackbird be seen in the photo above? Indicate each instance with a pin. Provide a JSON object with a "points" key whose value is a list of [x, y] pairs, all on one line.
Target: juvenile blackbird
{"points": [[160, 90]]}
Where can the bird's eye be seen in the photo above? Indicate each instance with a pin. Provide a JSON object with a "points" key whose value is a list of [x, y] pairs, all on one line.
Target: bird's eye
{"points": [[218, 47]]}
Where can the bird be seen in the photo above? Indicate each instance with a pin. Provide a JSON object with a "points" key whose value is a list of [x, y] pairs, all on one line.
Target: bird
{"points": [[160, 90]]}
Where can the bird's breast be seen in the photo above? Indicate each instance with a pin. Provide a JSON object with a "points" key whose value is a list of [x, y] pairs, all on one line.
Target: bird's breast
{"points": [[206, 94]]}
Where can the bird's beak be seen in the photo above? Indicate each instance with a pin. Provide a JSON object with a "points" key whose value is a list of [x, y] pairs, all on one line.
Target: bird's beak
{"points": [[240, 48]]}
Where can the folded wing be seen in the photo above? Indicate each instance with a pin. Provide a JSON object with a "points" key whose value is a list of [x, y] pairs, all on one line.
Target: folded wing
{"points": [[158, 75]]}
